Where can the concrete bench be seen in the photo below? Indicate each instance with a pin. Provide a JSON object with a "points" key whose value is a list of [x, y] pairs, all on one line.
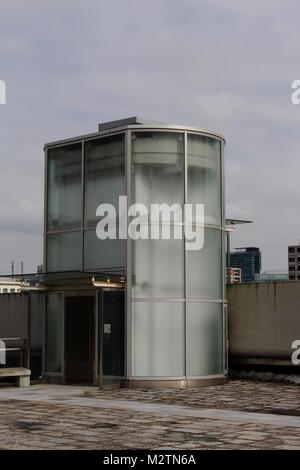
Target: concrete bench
{"points": [[21, 374]]}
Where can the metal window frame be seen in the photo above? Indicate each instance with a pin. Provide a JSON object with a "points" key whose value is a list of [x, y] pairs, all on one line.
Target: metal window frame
{"points": [[100, 314], [185, 265], [46, 203], [185, 300], [45, 209], [137, 127], [82, 228], [128, 267], [82, 201], [223, 244]]}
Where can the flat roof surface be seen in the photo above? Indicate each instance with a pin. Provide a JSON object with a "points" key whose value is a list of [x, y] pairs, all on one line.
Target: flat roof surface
{"points": [[241, 414], [133, 122]]}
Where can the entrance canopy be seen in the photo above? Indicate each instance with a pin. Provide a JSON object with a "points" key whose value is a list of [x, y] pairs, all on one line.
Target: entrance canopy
{"points": [[65, 278]]}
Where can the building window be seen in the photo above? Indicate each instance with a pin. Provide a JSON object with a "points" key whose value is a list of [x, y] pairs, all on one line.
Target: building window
{"points": [[64, 251], [103, 253], [162, 352], [291, 249], [208, 259], [4, 291], [292, 278], [291, 259], [204, 322], [12, 291], [157, 175], [104, 183], [104, 174], [203, 160], [64, 187], [292, 268], [157, 168]]}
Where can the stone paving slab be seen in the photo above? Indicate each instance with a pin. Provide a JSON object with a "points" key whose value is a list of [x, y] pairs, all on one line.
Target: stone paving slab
{"points": [[59, 417], [243, 395], [162, 409]]}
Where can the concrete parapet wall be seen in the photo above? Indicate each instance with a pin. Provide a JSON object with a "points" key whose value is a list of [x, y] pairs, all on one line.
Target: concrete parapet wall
{"points": [[264, 319]]}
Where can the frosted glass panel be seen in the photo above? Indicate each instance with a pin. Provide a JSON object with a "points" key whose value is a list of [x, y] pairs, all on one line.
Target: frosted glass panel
{"points": [[104, 174], [64, 252], [204, 268], [54, 333], [103, 253], [64, 187], [157, 268], [225, 265], [157, 339], [204, 338], [157, 168], [203, 158], [226, 337]]}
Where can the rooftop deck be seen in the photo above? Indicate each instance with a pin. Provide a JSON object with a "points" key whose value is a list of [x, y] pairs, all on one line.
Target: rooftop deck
{"points": [[237, 415]]}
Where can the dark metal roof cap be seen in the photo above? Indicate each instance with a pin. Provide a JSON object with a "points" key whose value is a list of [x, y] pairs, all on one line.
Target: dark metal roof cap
{"points": [[104, 126]]}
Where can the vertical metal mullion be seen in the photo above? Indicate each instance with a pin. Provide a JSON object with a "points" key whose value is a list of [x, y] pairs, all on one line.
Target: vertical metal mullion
{"points": [[100, 336], [96, 337], [44, 337], [225, 335], [224, 341], [128, 257], [45, 211], [82, 201], [222, 219], [28, 340], [227, 277], [186, 358], [63, 368]]}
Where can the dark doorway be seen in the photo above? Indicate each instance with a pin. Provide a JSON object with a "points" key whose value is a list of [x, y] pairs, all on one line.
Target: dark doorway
{"points": [[79, 339], [113, 335]]}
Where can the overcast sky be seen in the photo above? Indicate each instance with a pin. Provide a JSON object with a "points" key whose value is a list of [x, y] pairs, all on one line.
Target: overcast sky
{"points": [[219, 65]]}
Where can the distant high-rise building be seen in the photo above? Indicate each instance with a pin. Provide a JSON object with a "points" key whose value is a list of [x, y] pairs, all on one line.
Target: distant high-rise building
{"points": [[248, 259], [40, 269], [294, 262]]}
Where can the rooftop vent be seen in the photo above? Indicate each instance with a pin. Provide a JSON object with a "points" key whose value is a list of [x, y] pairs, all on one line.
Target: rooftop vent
{"points": [[104, 126]]}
